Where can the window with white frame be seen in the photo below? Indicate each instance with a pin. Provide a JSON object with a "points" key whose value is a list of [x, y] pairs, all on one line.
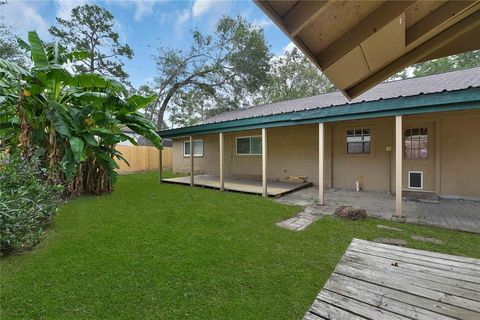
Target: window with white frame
{"points": [[249, 145], [197, 148], [416, 144], [358, 141]]}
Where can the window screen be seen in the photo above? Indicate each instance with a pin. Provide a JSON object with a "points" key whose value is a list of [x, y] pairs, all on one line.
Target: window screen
{"points": [[416, 143], [249, 145], [358, 141], [197, 148]]}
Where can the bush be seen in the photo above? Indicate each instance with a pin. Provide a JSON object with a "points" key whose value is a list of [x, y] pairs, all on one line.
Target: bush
{"points": [[351, 213], [27, 202]]}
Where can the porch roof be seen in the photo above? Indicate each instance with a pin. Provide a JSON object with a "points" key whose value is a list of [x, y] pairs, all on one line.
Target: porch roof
{"points": [[452, 91]]}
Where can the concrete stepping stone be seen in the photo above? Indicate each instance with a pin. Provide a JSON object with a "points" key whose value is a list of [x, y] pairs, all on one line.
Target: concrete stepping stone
{"points": [[426, 239], [381, 226], [395, 242]]}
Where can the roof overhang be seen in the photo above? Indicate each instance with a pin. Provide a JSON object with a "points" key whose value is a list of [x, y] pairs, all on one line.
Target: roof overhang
{"points": [[466, 99], [358, 44]]}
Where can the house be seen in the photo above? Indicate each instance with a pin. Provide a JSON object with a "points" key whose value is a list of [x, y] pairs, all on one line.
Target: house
{"points": [[420, 134]]}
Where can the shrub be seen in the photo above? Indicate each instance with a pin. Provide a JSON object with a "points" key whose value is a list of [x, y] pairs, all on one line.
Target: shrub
{"points": [[351, 213], [27, 202]]}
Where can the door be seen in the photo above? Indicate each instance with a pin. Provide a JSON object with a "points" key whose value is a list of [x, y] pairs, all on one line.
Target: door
{"points": [[419, 157]]}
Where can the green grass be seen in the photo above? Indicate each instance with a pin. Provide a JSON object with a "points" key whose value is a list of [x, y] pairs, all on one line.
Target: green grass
{"points": [[150, 251]]}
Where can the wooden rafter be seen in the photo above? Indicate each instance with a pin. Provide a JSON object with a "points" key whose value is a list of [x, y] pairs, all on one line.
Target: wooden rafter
{"points": [[360, 32], [445, 12], [417, 54], [302, 14]]}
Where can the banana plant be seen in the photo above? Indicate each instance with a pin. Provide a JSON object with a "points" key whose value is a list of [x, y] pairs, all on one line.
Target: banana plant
{"points": [[72, 120]]}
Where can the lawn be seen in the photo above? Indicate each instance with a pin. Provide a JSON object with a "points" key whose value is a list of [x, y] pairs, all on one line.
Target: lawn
{"points": [[150, 251]]}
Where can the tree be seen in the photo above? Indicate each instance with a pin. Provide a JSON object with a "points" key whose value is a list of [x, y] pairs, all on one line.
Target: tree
{"points": [[9, 48], [73, 121], [90, 29], [451, 63], [292, 76], [225, 66]]}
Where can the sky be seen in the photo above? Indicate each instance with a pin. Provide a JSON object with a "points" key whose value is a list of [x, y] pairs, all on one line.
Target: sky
{"points": [[145, 24]]}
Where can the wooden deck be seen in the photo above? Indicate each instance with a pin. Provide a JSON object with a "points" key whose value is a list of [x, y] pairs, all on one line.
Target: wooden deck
{"points": [[377, 281], [274, 188]]}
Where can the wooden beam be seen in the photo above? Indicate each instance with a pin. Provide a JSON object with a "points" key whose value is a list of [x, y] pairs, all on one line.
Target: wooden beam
{"points": [[302, 14], [321, 161], [435, 19], [362, 30], [417, 54], [192, 169], [264, 162], [221, 144], [398, 166], [160, 164]]}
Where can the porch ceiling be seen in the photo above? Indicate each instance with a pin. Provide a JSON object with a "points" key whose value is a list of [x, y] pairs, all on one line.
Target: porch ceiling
{"points": [[358, 44]]}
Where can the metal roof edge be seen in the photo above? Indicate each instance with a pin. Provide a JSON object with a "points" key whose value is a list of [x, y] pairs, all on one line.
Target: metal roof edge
{"points": [[433, 102]]}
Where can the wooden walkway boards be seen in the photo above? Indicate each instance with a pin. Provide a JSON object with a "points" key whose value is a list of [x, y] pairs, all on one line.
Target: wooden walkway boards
{"points": [[378, 281]]}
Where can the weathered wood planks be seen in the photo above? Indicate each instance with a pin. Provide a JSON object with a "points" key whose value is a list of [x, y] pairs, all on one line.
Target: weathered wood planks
{"points": [[377, 281]]}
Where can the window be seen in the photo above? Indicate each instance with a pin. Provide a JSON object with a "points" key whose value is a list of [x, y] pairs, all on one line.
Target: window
{"points": [[416, 144], [358, 141], [249, 145], [197, 148]]}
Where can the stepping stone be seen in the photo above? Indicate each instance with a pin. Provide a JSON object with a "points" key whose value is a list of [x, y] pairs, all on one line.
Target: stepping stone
{"points": [[395, 242], [381, 226], [426, 239]]}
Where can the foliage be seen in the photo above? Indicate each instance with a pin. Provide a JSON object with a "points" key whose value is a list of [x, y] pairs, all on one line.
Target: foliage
{"points": [[27, 202], [198, 254], [9, 49], [451, 63], [293, 76], [223, 67], [74, 119], [90, 29]]}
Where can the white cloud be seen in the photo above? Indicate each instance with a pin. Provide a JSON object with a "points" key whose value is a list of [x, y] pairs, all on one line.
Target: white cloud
{"points": [[25, 17], [262, 23], [143, 8], [289, 47], [200, 7], [64, 7], [182, 17]]}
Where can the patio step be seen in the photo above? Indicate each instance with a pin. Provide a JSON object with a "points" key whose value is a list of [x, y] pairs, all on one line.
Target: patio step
{"points": [[421, 196]]}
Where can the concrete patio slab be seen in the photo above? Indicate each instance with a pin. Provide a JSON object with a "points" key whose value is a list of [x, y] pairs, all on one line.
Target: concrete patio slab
{"points": [[451, 214]]}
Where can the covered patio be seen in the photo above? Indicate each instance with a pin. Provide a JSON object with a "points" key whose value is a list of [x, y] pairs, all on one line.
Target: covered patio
{"points": [[451, 214], [254, 186]]}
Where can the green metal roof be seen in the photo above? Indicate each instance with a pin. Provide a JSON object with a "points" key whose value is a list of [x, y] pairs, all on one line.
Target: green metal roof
{"points": [[466, 99]]}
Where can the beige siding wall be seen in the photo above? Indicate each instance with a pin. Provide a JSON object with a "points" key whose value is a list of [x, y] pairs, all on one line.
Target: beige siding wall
{"points": [[460, 155], [372, 171], [453, 166]]}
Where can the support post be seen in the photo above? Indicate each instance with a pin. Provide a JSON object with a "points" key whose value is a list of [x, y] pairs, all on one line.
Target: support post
{"points": [[398, 166], [321, 160], [222, 182], [160, 164], [264, 162], [192, 170]]}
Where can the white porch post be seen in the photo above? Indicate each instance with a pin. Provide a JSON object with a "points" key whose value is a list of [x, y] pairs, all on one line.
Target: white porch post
{"points": [[398, 166], [222, 183], [264, 162], [321, 159], [160, 164], [192, 170]]}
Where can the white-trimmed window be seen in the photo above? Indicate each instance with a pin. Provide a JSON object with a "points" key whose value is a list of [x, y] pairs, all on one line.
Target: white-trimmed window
{"points": [[358, 141], [197, 148], [416, 144], [249, 145]]}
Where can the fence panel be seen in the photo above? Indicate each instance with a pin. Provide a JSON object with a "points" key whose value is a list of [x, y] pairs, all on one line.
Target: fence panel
{"points": [[143, 158]]}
